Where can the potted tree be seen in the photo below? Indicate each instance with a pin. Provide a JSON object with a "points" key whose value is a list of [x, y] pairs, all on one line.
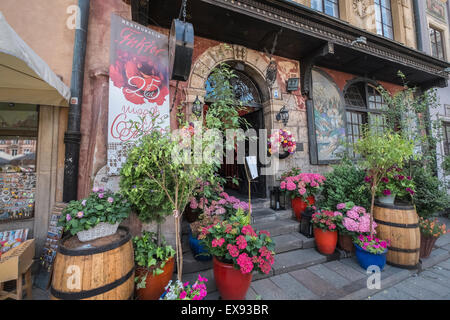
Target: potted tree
{"points": [[96, 216], [302, 189], [237, 252], [430, 231], [379, 153], [325, 231], [155, 265]]}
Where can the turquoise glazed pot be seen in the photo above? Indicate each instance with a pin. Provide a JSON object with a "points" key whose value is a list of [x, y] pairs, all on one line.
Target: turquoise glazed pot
{"points": [[367, 259], [200, 253]]}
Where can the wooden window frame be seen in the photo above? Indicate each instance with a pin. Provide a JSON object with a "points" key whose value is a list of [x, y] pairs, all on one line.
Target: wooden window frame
{"points": [[436, 43], [381, 7], [332, 1]]}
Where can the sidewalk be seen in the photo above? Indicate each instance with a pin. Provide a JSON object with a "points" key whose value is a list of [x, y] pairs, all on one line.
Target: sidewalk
{"points": [[344, 279]]}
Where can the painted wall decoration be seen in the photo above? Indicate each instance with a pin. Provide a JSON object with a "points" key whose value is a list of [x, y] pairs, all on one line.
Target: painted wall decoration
{"points": [[138, 87], [329, 117], [436, 8]]}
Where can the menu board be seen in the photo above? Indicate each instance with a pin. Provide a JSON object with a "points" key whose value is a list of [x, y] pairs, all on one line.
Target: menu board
{"points": [[17, 192]]}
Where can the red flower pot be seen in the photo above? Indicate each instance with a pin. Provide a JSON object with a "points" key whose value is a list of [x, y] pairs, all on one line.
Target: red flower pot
{"points": [[155, 284], [231, 283], [426, 245], [325, 240], [299, 206]]}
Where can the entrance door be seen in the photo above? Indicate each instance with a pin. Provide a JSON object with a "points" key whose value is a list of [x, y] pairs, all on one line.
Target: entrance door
{"points": [[258, 185]]}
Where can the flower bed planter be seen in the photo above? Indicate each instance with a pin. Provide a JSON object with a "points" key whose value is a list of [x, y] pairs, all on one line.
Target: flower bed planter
{"points": [[325, 240], [367, 259], [154, 284], [231, 283], [426, 245], [101, 230]]}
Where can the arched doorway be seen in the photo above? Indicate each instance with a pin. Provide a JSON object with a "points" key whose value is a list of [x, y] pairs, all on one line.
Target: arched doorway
{"points": [[247, 91]]}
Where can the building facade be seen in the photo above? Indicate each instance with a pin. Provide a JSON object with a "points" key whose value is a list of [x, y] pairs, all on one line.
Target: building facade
{"points": [[340, 51], [435, 41], [33, 115]]}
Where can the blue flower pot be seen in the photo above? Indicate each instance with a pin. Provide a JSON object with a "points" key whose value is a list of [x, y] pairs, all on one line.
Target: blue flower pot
{"points": [[200, 253], [367, 259]]}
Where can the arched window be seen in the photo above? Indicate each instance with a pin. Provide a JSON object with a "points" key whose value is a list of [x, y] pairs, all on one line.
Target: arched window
{"points": [[363, 104], [245, 90]]}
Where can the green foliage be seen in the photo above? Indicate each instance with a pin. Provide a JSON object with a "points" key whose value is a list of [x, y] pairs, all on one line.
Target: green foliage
{"points": [[345, 184], [446, 165], [431, 196], [146, 195], [149, 255], [234, 241], [99, 206], [408, 111], [223, 112]]}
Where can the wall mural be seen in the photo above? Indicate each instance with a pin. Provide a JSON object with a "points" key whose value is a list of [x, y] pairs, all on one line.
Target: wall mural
{"points": [[329, 117], [436, 8]]}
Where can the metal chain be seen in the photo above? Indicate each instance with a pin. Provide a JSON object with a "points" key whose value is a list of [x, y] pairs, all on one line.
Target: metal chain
{"points": [[183, 10]]}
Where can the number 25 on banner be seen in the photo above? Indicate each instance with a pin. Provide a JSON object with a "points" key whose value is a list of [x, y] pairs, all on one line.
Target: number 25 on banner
{"points": [[141, 85]]}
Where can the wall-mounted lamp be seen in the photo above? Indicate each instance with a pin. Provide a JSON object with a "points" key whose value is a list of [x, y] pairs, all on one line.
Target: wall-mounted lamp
{"points": [[197, 107], [361, 40], [283, 115], [292, 84]]}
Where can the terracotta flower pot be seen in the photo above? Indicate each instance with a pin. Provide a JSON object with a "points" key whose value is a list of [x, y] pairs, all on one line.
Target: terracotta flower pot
{"points": [[325, 240], [231, 283], [155, 284], [299, 205], [426, 245], [345, 242]]}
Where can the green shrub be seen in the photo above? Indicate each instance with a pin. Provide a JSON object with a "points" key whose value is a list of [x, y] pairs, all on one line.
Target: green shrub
{"points": [[430, 197], [345, 184]]}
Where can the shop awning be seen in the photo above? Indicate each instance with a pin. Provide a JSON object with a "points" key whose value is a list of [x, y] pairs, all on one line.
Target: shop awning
{"points": [[24, 76]]}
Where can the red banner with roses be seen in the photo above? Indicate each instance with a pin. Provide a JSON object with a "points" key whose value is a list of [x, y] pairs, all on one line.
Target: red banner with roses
{"points": [[138, 87]]}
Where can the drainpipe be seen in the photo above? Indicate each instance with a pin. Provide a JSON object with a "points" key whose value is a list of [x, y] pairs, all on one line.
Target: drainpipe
{"points": [[418, 24], [72, 136]]}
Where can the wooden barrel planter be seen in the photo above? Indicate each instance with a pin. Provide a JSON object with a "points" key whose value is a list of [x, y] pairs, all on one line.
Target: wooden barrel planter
{"points": [[102, 269], [400, 224]]}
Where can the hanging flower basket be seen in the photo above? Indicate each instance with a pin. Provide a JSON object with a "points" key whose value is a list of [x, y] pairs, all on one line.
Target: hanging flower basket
{"points": [[282, 144]]}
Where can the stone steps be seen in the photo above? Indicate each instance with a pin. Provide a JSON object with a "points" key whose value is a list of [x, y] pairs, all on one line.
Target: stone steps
{"points": [[278, 227]]}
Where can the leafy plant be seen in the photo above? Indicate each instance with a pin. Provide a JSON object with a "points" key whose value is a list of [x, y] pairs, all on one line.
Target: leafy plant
{"points": [[430, 196], [302, 185], [234, 241], [446, 165], [344, 184], [325, 220], [183, 291], [432, 227], [160, 177], [99, 206], [398, 183], [371, 244], [151, 256], [379, 153]]}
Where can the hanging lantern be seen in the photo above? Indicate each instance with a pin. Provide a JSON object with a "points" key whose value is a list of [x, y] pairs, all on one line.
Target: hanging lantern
{"points": [[197, 107], [306, 226], [283, 115]]}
